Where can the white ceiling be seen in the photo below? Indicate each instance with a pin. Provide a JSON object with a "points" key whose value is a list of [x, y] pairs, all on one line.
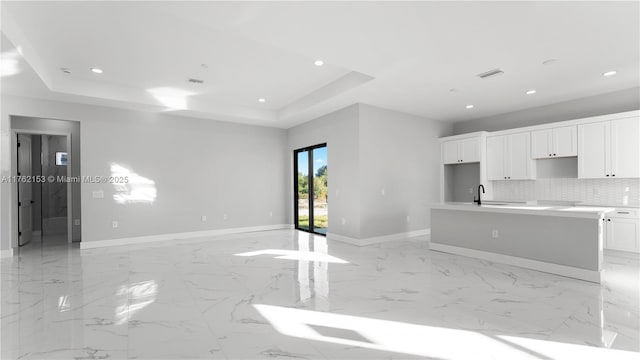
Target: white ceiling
{"points": [[404, 56]]}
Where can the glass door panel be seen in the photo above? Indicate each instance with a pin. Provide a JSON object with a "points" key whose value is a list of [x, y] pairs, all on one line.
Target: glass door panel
{"points": [[320, 191], [302, 178], [311, 189]]}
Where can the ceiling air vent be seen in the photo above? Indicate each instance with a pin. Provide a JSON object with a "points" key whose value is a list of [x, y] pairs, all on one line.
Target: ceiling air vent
{"points": [[490, 73], [195, 81]]}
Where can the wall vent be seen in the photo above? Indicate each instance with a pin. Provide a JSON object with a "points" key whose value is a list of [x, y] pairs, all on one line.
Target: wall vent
{"points": [[195, 81], [490, 73]]}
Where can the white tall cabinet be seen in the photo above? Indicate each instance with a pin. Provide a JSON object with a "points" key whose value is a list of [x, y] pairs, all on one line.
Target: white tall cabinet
{"points": [[609, 149], [509, 157]]}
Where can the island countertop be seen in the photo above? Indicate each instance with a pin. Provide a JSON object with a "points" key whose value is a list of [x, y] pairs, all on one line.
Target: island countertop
{"points": [[588, 212]]}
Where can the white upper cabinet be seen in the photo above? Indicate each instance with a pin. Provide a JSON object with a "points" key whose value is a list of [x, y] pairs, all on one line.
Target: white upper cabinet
{"points": [[609, 149], [509, 157], [461, 151], [556, 142], [496, 157], [450, 152], [625, 148]]}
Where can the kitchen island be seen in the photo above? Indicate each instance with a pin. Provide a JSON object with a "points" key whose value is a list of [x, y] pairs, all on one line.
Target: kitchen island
{"points": [[563, 240]]}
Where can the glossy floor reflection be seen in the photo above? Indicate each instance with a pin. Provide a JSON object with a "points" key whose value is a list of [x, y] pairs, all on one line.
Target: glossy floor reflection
{"points": [[200, 299]]}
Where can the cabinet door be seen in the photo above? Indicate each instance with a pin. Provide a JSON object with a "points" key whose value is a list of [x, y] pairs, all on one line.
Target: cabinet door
{"points": [[495, 158], [593, 150], [520, 166], [450, 152], [541, 144], [470, 150], [565, 142], [622, 234], [625, 148]]}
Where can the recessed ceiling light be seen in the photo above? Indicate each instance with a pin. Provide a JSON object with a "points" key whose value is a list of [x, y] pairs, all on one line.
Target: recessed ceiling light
{"points": [[469, 106], [530, 92], [610, 73], [65, 70], [262, 100], [318, 62], [549, 61], [96, 70]]}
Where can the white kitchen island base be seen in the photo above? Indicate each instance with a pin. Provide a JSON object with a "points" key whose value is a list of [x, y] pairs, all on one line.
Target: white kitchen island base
{"points": [[558, 240]]}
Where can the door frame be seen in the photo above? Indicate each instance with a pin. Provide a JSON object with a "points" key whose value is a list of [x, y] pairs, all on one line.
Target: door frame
{"points": [[14, 224], [295, 187]]}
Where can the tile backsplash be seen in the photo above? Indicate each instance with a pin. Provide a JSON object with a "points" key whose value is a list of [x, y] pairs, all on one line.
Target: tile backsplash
{"points": [[598, 191]]}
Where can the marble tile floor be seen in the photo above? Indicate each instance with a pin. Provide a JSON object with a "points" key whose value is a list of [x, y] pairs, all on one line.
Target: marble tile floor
{"points": [[288, 294]]}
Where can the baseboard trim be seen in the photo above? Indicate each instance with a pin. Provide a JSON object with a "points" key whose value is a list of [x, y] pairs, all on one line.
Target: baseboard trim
{"points": [[178, 236], [563, 270], [6, 253], [379, 239]]}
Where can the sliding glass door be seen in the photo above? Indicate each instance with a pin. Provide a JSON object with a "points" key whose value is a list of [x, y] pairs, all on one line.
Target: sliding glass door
{"points": [[311, 209]]}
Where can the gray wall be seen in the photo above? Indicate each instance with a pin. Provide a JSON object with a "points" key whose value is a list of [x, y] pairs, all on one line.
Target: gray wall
{"points": [[619, 101], [199, 167], [340, 130], [461, 178], [43, 125], [376, 149], [400, 156]]}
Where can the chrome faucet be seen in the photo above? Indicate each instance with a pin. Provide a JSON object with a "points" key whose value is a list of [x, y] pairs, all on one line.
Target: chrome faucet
{"points": [[479, 201]]}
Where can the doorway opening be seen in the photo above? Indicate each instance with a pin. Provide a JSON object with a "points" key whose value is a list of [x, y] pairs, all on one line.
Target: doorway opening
{"points": [[43, 189], [311, 206]]}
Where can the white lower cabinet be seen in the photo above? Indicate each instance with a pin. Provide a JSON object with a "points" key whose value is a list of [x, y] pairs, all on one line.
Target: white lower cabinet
{"points": [[623, 231]]}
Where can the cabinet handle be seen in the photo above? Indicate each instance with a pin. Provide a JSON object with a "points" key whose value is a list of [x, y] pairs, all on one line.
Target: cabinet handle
{"points": [[554, 154], [549, 154], [608, 219], [613, 174], [622, 212], [607, 174]]}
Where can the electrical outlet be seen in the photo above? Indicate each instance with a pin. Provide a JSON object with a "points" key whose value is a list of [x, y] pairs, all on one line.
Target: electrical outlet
{"points": [[344, 221], [408, 218], [271, 213], [76, 222], [224, 217], [114, 224], [470, 190], [204, 218], [382, 191], [494, 234]]}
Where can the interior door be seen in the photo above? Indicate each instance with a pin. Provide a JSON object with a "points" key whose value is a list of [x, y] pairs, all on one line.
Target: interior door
{"points": [[25, 197]]}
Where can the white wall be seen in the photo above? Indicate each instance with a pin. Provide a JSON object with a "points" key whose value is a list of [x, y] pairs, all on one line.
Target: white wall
{"points": [[371, 149], [199, 167], [619, 101], [400, 156], [340, 130]]}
